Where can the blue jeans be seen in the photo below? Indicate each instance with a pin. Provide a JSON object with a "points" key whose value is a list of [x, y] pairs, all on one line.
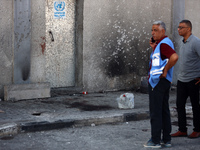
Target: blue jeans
{"points": [[185, 90], [159, 111]]}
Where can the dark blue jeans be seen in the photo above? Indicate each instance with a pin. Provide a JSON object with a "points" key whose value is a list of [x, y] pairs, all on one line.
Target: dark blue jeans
{"points": [[159, 111], [185, 90]]}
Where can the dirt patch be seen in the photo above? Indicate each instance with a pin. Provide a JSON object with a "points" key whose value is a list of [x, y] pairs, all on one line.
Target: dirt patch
{"points": [[90, 107]]}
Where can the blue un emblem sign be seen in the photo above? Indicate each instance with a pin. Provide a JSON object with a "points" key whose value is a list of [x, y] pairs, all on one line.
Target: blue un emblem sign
{"points": [[59, 10]]}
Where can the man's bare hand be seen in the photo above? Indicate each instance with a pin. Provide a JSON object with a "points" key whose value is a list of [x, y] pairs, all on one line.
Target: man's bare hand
{"points": [[152, 44]]}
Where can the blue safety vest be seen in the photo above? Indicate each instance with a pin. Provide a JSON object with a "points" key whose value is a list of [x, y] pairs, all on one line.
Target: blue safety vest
{"points": [[157, 64]]}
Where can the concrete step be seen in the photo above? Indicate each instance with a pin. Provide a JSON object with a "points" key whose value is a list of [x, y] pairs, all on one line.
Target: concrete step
{"points": [[15, 128], [17, 92]]}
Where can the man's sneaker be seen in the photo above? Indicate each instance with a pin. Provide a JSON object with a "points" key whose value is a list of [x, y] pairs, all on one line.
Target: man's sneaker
{"points": [[151, 144], [167, 144]]}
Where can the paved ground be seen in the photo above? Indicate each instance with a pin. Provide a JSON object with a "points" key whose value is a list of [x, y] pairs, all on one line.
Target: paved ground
{"points": [[71, 110], [120, 136]]}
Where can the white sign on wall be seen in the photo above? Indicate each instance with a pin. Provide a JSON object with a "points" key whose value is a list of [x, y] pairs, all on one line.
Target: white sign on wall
{"points": [[59, 10]]}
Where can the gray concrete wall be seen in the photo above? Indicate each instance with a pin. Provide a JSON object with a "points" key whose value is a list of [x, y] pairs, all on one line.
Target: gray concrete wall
{"points": [[53, 61], [79, 43], [116, 41], [184, 9], [178, 15], [6, 43], [100, 45], [22, 41], [60, 53], [38, 40], [192, 9]]}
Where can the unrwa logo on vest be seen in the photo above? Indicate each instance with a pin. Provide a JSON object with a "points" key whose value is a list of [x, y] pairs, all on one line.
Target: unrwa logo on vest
{"points": [[59, 6], [156, 59]]}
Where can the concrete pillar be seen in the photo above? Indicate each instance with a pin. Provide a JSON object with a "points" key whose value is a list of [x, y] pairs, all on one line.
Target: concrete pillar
{"points": [[22, 41], [6, 44], [178, 15]]}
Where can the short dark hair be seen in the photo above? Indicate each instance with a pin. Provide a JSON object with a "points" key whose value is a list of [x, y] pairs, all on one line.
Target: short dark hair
{"points": [[188, 23]]}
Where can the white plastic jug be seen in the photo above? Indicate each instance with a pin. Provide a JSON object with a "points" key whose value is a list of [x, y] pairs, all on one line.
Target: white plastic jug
{"points": [[126, 101]]}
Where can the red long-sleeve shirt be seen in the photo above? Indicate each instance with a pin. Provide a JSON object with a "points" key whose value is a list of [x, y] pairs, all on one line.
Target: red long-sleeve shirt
{"points": [[165, 50]]}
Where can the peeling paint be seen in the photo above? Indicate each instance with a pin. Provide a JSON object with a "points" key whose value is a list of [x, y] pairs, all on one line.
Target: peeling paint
{"points": [[43, 44]]}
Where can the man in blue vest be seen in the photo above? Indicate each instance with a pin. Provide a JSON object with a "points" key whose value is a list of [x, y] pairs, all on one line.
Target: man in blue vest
{"points": [[188, 84], [162, 60]]}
